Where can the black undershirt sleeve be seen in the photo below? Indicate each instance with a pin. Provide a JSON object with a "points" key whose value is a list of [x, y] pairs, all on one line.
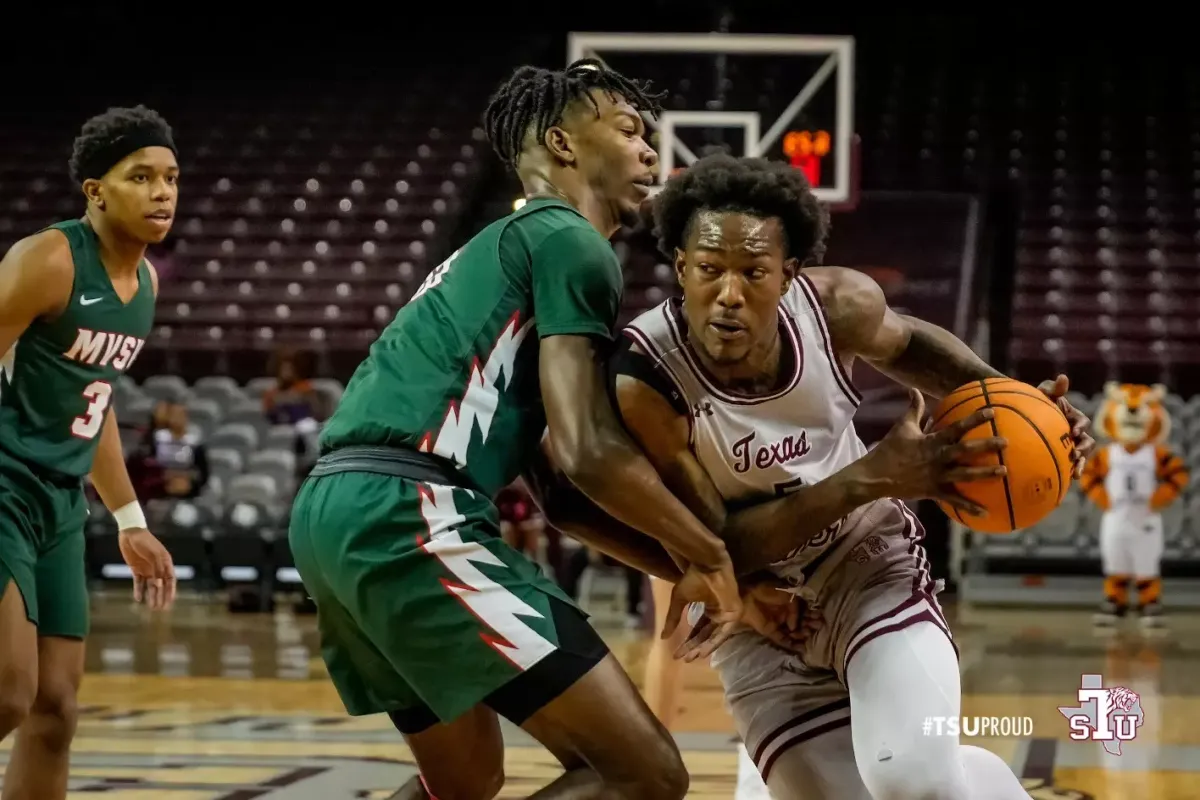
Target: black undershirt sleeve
{"points": [[626, 361]]}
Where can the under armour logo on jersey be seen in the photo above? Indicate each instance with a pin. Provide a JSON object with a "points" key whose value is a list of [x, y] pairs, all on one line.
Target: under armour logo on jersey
{"points": [[704, 407]]}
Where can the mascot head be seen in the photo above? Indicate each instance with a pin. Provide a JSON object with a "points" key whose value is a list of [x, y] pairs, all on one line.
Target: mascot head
{"points": [[1133, 414]]}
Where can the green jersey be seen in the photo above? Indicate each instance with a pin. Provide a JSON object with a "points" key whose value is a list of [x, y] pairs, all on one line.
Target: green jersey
{"points": [[456, 372], [56, 382]]}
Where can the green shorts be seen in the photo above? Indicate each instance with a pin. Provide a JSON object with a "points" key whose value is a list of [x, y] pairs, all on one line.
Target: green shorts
{"points": [[42, 547], [424, 611]]}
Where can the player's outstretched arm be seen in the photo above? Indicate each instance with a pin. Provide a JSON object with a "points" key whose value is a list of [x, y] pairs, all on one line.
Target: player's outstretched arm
{"points": [[908, 463], [913, 352], [577, 284], [35, 280], [588, 443], [569, 510], [591, 448], [757, 535]]}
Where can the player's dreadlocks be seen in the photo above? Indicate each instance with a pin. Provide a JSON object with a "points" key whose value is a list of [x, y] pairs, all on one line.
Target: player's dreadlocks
{"points": [[536, 98], [107, 138], [752, 186]]}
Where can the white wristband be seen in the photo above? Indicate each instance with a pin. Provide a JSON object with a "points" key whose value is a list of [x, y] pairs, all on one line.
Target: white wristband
{"points": [[130, 516]]}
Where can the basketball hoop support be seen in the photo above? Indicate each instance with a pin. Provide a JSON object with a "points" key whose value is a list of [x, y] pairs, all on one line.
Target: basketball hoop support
{"points": [[839, 51]]}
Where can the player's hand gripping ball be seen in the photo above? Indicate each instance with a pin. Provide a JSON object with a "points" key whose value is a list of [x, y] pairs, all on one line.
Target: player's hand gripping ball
{"points": [[1039, 457]]}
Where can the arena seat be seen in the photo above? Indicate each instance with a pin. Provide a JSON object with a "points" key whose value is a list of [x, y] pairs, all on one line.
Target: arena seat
{"points": [[220, 389], [280, 467], [242, 551], [185, 528], [241, 437]]}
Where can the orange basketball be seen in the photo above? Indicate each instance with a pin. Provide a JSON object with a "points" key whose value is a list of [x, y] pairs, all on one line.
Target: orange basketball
{"points": [[1038, 454]]}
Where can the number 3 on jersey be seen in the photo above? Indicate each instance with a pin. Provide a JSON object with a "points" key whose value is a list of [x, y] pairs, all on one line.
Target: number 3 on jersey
{"points": [[98, 394]]}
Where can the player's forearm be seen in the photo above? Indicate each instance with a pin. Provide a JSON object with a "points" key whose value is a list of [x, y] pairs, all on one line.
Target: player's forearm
{"points": [[621, 481], [570, 511], [764, 533], [584, 522], [935, 361], [755, 537], [109, 475]]}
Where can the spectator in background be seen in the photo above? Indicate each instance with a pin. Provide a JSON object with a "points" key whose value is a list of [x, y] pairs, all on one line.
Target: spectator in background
{"points": [[182, 455], [144, 471], [293, 399], [172, 462]]}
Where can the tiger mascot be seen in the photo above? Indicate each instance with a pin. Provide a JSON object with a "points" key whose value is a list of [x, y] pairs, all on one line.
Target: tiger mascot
{"points": [[1133, 478]]}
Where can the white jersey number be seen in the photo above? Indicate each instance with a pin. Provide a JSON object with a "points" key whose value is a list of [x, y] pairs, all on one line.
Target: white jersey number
{"points": [[436, 276], [98, 394]]}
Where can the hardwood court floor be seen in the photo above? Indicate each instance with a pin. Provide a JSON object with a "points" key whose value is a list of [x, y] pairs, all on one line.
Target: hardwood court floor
{"points": [[205, 705]]}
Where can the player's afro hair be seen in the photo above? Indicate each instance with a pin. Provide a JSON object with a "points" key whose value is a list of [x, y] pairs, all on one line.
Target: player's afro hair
{"points": [[536, 98], [752, 186], [101, 131]]}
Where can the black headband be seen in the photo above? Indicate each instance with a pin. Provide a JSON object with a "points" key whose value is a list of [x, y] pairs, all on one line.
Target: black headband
{"points": [[107, 157]]}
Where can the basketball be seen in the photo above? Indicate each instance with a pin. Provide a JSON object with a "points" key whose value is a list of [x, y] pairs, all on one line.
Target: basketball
{"points": [[1038, 454]]}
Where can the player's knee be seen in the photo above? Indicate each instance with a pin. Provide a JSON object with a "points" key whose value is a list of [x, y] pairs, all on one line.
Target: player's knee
{"points": [[661, 774], [54, 716], [673, 782], [670, 784], [483, 783], [899, 778]]}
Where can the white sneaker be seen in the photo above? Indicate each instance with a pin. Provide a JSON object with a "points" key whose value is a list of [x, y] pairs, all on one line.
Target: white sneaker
{"points": [[750, 785]]}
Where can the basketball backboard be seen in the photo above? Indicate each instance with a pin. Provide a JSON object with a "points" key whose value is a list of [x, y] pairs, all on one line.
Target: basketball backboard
{"points": [[814, 129]]}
